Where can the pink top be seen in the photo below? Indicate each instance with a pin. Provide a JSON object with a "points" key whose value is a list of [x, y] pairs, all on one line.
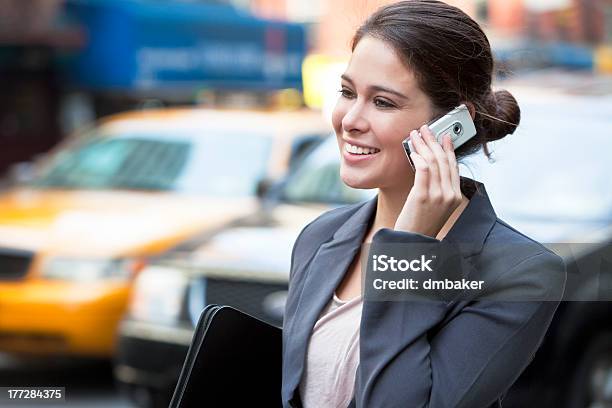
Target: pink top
{"points": [[332, 356]]}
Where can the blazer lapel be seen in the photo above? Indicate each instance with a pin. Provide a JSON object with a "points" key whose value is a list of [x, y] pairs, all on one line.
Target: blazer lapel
{"points": [[324, 274]]}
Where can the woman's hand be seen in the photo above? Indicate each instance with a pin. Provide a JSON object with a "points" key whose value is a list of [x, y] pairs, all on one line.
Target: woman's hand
{"points": [[436, 191]]}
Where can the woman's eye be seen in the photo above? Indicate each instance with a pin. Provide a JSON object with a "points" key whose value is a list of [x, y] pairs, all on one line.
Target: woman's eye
{"points": [[381, 103], [346, 93]]}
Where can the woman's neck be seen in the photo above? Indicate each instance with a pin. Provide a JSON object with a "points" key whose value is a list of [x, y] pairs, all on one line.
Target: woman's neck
{"points": [[390, 204]]}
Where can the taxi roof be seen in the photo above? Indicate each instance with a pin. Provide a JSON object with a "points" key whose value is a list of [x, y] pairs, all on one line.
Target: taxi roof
{"points": [[274, 122]]}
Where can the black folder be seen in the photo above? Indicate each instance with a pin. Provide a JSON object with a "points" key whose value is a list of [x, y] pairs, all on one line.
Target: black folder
{"points": [[234, 360]]}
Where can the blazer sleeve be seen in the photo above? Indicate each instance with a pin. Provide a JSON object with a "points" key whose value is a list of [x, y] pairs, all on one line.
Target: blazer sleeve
{"points": [[471, 361]]}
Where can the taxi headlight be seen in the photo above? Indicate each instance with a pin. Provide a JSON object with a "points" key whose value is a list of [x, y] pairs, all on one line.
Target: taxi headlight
{"points": [[158, 294], [89, 270]]}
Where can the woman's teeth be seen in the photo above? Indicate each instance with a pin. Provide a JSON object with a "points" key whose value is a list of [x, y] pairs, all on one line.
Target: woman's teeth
{"points": [[360, 150]]}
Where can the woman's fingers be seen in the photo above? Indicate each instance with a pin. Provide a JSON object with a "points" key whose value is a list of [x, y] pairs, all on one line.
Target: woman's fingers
{"points": [[423, 150], [446, 188], [421, 176], [452, 164]]}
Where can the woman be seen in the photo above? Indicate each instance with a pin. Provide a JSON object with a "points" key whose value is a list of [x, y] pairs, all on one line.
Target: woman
{"points": [[411, 62]]}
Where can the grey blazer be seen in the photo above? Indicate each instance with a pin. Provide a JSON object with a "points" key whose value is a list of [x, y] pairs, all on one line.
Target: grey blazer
{"points": [[424, 354]]}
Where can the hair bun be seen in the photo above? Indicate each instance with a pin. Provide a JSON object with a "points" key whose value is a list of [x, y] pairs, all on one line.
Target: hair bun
{"points": [[502, 115]]}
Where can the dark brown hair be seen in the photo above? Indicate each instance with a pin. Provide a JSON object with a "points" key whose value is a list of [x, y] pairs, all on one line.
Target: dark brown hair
{"points": [[452, 61]]}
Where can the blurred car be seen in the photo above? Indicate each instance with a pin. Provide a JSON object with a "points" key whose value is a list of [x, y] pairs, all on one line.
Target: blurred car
{"points": [[550, 180], [137, 184], [245, 265]]}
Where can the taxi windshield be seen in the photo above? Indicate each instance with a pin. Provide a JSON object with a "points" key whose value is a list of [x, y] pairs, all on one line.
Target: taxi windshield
{"points": [[209, 164]]}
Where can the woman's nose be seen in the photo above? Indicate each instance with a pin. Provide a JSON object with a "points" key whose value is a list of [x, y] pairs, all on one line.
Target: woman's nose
{"points": [[354, 119]]}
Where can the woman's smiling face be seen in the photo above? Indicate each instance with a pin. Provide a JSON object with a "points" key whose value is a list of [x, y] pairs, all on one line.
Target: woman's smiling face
{"points": [[380, 103]]}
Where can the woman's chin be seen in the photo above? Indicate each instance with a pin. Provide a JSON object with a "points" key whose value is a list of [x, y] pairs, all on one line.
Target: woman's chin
{"points": [[357, 181]]}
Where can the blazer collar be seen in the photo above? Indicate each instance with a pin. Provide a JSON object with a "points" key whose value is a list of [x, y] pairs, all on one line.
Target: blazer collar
{"points": [[472, 227], [357, 224]]}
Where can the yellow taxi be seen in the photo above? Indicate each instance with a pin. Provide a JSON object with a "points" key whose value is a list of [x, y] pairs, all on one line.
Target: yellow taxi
{"points": [[131, 187]]}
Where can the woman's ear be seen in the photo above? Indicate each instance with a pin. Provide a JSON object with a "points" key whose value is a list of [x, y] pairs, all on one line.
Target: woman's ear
{"points": [[471, 108]]}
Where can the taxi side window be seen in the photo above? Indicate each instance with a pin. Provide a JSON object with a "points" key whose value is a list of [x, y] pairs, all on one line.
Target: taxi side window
{"points": [[301, 146], [317, 179]]}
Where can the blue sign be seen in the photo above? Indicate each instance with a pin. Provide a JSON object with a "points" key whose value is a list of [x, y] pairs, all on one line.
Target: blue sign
{"points": [[149, 45]]}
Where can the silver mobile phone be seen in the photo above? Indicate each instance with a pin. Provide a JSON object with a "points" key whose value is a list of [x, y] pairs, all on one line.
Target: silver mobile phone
{"points": [[458, 123]]}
